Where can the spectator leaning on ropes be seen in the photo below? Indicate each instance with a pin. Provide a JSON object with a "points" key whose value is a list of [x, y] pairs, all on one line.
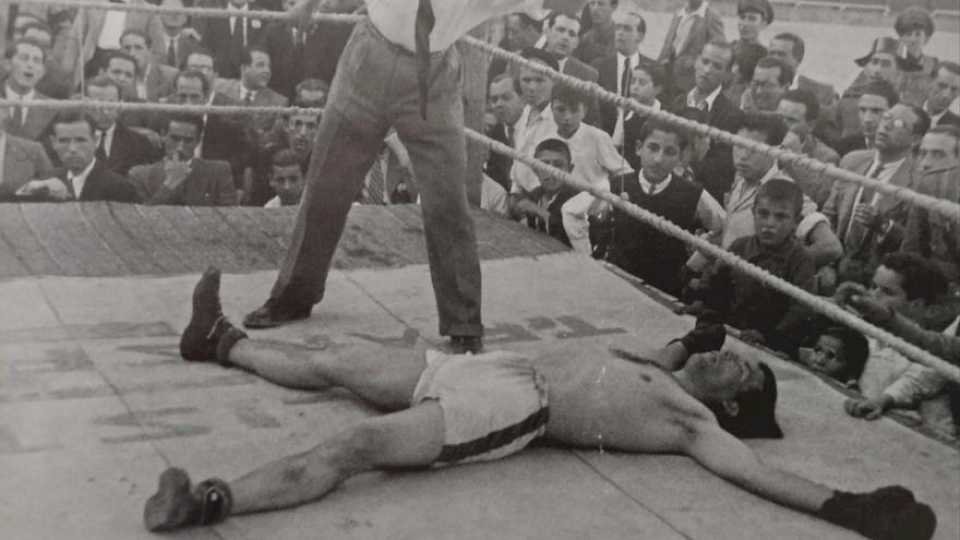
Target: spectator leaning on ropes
{"points": [[840, 353], [902, 281], [541, 207], [763, 314]]}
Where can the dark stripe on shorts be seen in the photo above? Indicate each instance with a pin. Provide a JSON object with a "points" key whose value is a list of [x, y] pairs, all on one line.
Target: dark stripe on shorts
{"points": [[497, 439]]}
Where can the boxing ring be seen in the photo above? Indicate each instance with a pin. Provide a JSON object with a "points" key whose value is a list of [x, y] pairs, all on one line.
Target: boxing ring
{"points": [[94, 401]]}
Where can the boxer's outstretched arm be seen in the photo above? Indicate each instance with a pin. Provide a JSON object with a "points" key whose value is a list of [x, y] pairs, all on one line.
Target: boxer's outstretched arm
{"points": [[729, 458]]}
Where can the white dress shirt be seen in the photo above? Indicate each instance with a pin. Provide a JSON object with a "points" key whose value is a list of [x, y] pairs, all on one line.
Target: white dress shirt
{"points": [[233, 21], [531, 128], [114, 23], [694, 95], [80, 180], [709, 212], [108, 138], [454, 18], [13, 96]]}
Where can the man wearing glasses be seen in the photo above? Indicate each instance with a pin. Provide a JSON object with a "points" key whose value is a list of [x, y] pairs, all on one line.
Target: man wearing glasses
{"points": [[869, 223]]}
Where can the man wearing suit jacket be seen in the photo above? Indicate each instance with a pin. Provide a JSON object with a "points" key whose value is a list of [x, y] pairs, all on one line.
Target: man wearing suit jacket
{"points": [[84, 178], [943, 90], [251, 89], [868, 223], [100, 30], [27, 67], [152, 80], [931, 234], [181, 178], [178, 41], [615, 70], [229, 37], [790, 48], [507, 106], [294, 52], [561, 32], [692, 27], [119, 147], [715, 171], [22, 161]]}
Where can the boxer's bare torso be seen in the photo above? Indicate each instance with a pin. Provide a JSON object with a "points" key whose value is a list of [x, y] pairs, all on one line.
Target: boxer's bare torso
{"points": [[611, 403]]}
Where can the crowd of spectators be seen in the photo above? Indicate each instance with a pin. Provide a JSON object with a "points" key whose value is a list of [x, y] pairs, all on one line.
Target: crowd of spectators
{"points": [[892, 122], [53, 52]]}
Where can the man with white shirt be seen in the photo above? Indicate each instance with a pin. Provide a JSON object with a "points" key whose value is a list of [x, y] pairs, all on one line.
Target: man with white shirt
{"points": [[869, 223], [27, 67], [228, 37], [119, 147], [594, 158], [715, 171], [536, 121], [178, 42], [85, 177], [507, 106], [615, 69], [399, 70], [691, 28]]}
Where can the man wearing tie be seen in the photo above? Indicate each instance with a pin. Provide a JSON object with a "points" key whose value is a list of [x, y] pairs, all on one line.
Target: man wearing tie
{"points": [[27, 66], [399, 69], [614, 70], [84, 178], [229, 37], [868, 223]]}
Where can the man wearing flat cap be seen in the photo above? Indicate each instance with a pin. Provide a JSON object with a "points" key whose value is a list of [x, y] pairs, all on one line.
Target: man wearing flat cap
{"points": [[883, 62], [753, 17]]}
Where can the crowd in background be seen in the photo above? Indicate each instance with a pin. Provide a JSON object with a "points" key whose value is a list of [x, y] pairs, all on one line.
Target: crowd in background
{"points": [[836, 239], [892, 123]]}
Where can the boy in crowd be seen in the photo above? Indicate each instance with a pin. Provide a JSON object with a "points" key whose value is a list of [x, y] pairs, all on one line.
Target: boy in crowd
{"points": [[286, 179], [541, 207], [641, 249], [840, 353], [902, 283], [763, 314], [595, 161], [646, 83]]}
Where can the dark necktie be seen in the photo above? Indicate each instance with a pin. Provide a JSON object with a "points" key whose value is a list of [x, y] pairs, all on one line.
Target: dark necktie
{"points": [[172, 53], [625, 78], [422, 28], [857, 233], [101, 152]]}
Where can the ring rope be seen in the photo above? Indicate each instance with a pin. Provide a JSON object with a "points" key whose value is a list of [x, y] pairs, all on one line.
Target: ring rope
{"points": [[944, 207], [157, 107], [199, 12], [818, 304]]}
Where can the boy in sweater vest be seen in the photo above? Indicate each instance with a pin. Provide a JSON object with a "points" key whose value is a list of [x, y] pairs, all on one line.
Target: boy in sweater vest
{"points": [[637, 247]]}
